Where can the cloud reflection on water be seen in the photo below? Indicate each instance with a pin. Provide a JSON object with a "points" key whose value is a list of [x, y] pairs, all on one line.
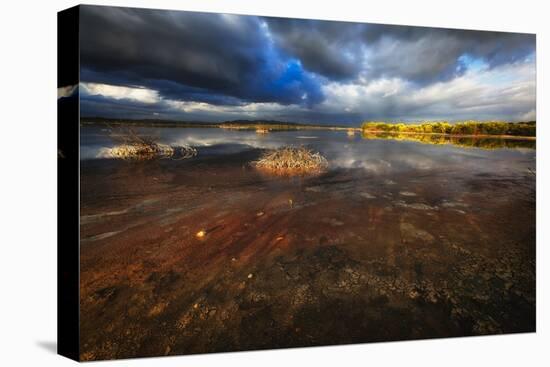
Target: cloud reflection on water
{"points": [[374, 156]]}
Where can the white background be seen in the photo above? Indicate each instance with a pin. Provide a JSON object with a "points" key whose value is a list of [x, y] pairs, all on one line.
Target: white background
{"points": [[28, 183]]}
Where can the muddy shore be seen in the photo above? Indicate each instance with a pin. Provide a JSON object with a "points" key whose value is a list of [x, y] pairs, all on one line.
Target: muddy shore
{"points": [[345, 257]]}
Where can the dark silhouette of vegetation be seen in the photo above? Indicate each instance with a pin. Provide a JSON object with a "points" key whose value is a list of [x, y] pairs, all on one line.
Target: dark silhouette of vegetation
{"points": [[459, 128], [268, 125]]}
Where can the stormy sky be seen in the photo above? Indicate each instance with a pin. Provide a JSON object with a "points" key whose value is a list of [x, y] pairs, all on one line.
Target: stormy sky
{"points": [[152, 64]]}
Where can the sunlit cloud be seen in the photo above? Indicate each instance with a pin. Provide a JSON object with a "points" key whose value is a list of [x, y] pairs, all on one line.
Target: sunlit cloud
{"points": [[117, 92], [507, 91]]}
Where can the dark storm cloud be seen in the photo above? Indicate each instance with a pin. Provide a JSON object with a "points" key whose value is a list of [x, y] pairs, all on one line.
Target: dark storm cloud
{"points": [[340, 50], [333, 49], [181, 51], [168, 89], [432, 54], [141, 63], [98, 106]]}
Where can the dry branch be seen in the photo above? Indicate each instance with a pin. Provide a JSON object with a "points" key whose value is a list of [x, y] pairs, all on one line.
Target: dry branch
{"points": [[290, 161], [142, 147]]}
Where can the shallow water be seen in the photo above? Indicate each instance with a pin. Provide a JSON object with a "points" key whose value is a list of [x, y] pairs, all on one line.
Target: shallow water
{"points": [[397, 240], [370, 154]]}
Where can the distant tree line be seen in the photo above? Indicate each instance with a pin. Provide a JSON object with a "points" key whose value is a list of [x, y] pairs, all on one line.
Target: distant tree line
{"points": [[457, 128]]}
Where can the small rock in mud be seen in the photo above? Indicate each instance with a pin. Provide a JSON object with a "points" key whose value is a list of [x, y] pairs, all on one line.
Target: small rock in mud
{"points": [[332, 221], [410, 233], [105, 294], [184, 320], [407, 193], [314, 189], [366, 195], [453, 204], [157, 309], [87, 356], [416, 206]]}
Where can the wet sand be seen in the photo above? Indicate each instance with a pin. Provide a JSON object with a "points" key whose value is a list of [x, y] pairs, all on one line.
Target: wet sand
{"points": [[345, 257]]}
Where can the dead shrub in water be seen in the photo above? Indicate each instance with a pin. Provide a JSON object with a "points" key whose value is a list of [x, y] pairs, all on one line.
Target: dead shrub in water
{"points": [[141, 151], [141, 147], [289, 161]]}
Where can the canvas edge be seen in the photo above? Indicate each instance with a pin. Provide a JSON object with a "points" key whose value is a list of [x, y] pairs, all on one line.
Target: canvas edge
{"points": [[68, 182]]}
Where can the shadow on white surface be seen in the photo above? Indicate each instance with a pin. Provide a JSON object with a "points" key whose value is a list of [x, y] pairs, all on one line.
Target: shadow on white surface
{"points": [[48, 345]]}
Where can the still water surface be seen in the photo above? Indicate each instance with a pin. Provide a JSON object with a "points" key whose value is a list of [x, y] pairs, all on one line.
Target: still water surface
{"points": [[397, 240]]}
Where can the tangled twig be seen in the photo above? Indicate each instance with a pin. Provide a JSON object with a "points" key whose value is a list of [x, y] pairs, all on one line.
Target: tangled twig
{"points": [[290, 161], [141, 147]]}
